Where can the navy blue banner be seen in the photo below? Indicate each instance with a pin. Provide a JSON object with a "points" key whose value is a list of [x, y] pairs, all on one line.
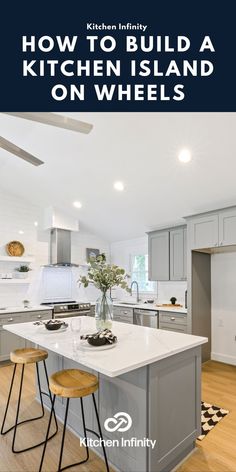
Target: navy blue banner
{"points": [[97, 56]]}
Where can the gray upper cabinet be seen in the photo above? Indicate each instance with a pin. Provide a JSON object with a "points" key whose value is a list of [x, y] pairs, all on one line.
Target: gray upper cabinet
{"points": [[159, 255], [178, 254], [185, 253], [227, 227], [204, 231], [213, 229], [167, 252]]}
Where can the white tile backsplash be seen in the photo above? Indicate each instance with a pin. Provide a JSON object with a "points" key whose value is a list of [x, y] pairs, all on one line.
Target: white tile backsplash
{"points": [[166, 290]]}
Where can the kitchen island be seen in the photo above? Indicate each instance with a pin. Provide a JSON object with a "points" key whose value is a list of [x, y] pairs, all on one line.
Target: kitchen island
{"points": [[152, 375]]}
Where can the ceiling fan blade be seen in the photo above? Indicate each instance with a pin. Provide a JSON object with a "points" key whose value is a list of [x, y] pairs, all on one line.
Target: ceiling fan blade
{"points": [[13, 149], [56, 120]]}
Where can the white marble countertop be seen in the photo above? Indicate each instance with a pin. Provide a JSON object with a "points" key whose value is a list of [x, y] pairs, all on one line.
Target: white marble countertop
{"points": [[21, 309], [137, 346]]}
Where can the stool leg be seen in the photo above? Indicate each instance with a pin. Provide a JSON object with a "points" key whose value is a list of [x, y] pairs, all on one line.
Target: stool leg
{"points": [[63, 434], [60, 469], [40, 391], [100, 432], [50, 395], [47, 434], [84, 426], [14, 427], [18, 408], [8, 401]]}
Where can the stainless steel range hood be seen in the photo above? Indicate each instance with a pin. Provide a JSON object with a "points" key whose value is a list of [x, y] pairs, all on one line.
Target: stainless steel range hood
{"points": [[60, 248]]}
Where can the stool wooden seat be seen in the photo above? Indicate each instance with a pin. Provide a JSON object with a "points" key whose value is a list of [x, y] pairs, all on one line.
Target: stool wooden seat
{"points": [[73, 383], [29, 355]]}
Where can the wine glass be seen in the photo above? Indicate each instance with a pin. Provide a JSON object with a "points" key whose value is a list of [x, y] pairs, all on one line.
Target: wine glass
{"points": [[75, 325]]}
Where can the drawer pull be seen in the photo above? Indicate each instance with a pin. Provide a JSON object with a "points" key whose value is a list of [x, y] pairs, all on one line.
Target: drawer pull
{"points": [[125, 313], [172, 318], [39, 316], [9, 320]]}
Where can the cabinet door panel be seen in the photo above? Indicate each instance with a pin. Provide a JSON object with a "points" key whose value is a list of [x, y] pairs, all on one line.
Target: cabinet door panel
{"points": [[227, 227], [178, 328], [185, 254], [177, 254], [204, 232], [158, 256]]}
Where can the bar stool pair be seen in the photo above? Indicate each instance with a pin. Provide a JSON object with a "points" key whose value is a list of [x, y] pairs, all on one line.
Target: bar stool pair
{"points": [[71, 383]]}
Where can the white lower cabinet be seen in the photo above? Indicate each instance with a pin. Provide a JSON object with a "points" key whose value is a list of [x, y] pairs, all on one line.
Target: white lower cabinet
{"points": [[9, 341]]}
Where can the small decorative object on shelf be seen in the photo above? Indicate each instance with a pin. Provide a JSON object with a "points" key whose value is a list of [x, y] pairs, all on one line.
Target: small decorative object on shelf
{"points": [[15, 248], [26, 303], [104, 277], [173, 300], [22, 271]]}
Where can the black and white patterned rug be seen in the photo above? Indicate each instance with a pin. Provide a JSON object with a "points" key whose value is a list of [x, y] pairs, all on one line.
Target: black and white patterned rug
{"points": [[211, 415]]}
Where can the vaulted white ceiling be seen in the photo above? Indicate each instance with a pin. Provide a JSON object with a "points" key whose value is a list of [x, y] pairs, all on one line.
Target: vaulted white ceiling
{"points": [[139, 149]]}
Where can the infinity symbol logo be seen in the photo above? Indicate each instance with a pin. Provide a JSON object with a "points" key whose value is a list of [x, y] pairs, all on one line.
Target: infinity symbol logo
{"points": [[121, 421]]}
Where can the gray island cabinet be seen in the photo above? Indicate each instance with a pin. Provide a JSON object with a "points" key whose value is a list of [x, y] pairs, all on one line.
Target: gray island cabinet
{"points": [[152, 375]]}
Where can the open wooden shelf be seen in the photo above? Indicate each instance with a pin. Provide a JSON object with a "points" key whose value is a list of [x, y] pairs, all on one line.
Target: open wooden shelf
{"points": [[16, 259], [15, 281]]}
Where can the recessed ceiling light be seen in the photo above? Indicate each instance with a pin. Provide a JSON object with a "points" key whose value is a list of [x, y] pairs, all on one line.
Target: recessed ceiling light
{"points": [[119, 186], [21, 232], [185, 156], [77, 204], [36, 223]]}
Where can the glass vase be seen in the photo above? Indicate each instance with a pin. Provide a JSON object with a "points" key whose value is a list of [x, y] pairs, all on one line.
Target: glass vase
{"points": [[104, 312]]}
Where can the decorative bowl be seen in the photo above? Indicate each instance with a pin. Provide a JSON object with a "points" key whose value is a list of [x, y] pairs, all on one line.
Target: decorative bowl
{"points": [[53, 325]]}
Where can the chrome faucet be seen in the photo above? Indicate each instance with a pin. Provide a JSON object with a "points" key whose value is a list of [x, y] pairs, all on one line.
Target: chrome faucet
{"points": [[135, 283]]}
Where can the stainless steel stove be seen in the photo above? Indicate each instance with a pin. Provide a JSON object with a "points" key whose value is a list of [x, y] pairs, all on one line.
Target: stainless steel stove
{"points": [[69, 309]]}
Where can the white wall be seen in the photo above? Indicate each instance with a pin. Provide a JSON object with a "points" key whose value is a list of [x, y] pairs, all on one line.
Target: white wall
{"points": [[223, 279], [17, 214], [121, 253]]}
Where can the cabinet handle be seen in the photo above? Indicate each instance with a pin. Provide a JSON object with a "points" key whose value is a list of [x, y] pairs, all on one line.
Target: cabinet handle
{"points": [[9, 320], [39, 316], [125, 312], [172, 318]]}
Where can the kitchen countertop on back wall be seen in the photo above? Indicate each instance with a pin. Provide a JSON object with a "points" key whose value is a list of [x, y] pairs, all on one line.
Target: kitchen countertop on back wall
{"points": [[20, 309], [149, 306]]}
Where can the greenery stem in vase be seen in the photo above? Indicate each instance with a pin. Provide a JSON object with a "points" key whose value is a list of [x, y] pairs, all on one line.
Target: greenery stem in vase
{"points": [[104, 277]]}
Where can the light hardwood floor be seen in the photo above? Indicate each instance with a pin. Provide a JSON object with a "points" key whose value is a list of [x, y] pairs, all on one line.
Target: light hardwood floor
{"points": [[216, 453]]}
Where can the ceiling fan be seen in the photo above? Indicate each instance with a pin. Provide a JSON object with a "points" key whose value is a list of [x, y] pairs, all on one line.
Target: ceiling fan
{"points": [[51, 119]]}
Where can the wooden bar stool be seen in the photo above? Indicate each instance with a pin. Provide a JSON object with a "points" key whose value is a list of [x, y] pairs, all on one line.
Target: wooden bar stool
{"points": [[23, 357], [73, 383]]}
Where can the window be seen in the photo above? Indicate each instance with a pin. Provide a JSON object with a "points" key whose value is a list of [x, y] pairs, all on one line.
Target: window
{"points": [[139, 272]]}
